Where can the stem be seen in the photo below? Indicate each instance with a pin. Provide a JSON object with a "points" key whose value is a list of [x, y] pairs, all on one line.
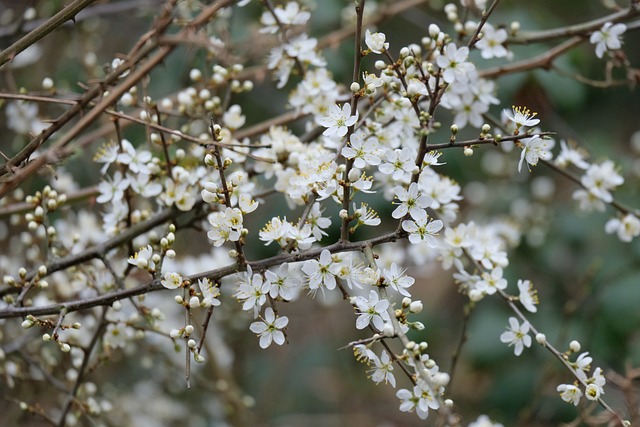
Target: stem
{"points": [[67, 13]]}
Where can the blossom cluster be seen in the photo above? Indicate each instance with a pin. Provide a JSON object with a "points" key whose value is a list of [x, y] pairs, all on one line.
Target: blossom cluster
{"points": [[356, 205]]}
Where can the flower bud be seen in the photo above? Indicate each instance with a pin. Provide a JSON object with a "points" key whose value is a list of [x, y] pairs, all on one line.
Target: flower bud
{"points": [[415, 307], [195, 75], [574, 346], [387, 330], [434, 30]]}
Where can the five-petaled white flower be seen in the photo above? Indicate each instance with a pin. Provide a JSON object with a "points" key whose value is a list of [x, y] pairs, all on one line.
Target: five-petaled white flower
{"points": [[382, 371], [375, 41], [521, 116], [338, 120], [570, 393], [534, 149], [411, 202], [423, 230], [397, 279], [607, 38], [626, 227], [171, 280], [210, 293], [517, 335], [491, 42], [372, 310], [528, 296], [270, 328], [454, 65], [321, 272]]}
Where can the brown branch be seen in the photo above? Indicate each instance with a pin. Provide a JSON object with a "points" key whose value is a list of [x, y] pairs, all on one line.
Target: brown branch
{"points": [[544, 60], [115, 93], [578, 29], [66, 14]]}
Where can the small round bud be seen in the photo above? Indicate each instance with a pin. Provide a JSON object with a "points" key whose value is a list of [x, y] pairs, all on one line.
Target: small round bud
{"points": [[66, 348], [164, 242], [454, 129], [515, 27], [47, 83], [541, 338], [387, 330], [166, 104], [410, 345], [448, 402], [434, 30], [344, 214], [424, 345], [76, 325], [418, 326], [404, 52], [574, 346], [468, 151], [42, 270], [22, 272], [355, 86], [24, 406], [354, 174], [430, 364], [171, 254], [156, 258], [441, 379], [198, 358], [380, 64], [195, 75], [126, 99], [46, 337], [191, 343], [26, 324], [178, 299], [485, 128], [117, 305], [175, 333], [406, 302], [189, 329], [43, 284], [415, 307], [194, 302]]}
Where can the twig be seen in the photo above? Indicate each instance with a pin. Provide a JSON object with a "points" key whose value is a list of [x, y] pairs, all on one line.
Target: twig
{"points": [[67, 13]]}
